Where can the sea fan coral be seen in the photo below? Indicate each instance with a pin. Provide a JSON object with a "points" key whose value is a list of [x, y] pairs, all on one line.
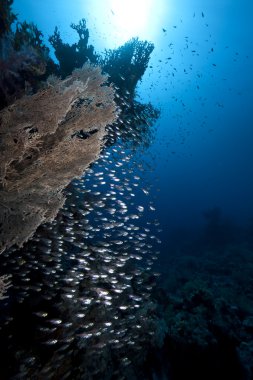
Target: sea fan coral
{"points": [[46, 140]]}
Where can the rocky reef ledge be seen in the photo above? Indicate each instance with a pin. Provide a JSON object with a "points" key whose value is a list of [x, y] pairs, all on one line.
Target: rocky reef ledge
{"points": [[46, 140]]}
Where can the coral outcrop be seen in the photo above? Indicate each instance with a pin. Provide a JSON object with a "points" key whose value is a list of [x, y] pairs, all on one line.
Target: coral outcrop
{"points": [[46, 140], [19, 70], [7, 17]]}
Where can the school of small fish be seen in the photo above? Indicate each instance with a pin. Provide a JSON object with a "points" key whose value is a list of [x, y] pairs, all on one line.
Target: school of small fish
{"points": [[80, 305]]}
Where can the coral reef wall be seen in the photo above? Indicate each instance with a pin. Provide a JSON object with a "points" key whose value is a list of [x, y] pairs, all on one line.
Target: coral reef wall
{"points": [[46, 140]]}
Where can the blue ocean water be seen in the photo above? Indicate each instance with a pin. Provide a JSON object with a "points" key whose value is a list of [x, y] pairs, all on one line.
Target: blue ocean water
{"points": [[188, 195], [200, 77]]}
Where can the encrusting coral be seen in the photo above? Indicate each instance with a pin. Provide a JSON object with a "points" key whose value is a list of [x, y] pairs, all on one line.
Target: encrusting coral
{"points": [[46, 140]]}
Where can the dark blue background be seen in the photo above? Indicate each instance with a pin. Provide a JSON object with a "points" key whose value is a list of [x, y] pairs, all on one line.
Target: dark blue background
{"points": [[200, 76]]}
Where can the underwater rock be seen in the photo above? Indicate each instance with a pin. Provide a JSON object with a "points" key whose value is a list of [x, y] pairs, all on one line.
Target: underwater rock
{"points": [[48, 139]]}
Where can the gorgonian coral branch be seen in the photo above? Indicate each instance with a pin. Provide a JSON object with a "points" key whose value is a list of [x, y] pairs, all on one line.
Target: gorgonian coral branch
{"points": [[42, 148]]}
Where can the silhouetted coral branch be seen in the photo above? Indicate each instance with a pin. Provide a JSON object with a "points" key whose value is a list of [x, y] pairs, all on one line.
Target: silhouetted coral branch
{"points": [[46, 140], [127, 64], [6, 16], [75, 55]]}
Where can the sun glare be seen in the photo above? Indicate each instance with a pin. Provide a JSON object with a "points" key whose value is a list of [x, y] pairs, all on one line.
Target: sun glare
{"points": [[116, 21], [130, 17]]}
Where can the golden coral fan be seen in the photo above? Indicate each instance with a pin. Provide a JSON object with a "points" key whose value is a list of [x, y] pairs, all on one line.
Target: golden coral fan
{"points": [[46, 140]]}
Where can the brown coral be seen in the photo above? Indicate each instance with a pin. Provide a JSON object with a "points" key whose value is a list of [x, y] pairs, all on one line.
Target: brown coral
{"points": [[46, 140]]}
